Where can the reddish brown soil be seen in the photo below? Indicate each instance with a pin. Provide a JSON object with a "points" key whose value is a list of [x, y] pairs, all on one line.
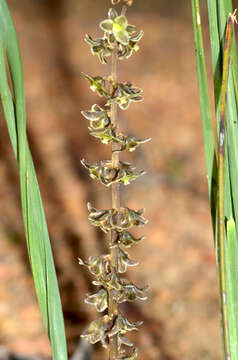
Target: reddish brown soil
{"points": [[181, 318]]}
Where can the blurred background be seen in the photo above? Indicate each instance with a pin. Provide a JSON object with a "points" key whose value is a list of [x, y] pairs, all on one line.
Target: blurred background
{"points": [[181, 319]]}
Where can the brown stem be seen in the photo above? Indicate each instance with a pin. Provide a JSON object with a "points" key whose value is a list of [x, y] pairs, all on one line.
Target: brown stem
{"points": [[113, 305]]}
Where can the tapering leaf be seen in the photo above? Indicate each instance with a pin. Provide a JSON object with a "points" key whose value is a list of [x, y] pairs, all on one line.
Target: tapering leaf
{"points": [[208, 135], [218, 11], [232, 289], [38, 242]]}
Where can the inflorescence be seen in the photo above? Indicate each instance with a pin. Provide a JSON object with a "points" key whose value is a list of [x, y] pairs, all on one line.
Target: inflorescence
{"points": [[120, 39]]}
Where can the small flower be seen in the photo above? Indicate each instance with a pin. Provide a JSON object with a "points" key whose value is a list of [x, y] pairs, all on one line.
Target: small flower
{"points": [[99, 47], [97, 84], [102, 171], [99, 218], [100, 124], [126, 173], [127, 240], [111, 282], [107, 135], [99, 300], [123, 325], [97, 331], [97, 265], [131, 143], [124, 94], [118, 27], [97, 114], [124, 261], [131, 292], [125, 51], [128, 218]]}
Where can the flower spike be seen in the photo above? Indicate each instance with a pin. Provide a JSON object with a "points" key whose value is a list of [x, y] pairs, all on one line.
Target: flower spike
{"points": [[119, 41]]}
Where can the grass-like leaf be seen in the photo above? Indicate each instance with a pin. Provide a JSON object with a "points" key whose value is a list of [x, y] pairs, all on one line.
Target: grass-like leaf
{"points": [[208, 135], [38, 242], [225, 72], [221, 239], [232, 289]]}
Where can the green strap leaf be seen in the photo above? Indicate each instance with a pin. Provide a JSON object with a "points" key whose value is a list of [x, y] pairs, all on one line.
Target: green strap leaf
{"points": [[208, 135], [38, 242], [217, 23], [232, 289], [218, 11], [221, 253]]}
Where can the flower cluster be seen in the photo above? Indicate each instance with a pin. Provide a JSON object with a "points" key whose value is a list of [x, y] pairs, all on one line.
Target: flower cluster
{"points": [[124, 94], [102, 329], [99, 47], [108, 175], [116, 31], [118, 220], [119, 39], [125, 51], [102, 128]]}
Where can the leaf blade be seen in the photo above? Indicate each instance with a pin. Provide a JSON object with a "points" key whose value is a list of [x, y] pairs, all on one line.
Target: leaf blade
{"points": [[38, 242]]}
